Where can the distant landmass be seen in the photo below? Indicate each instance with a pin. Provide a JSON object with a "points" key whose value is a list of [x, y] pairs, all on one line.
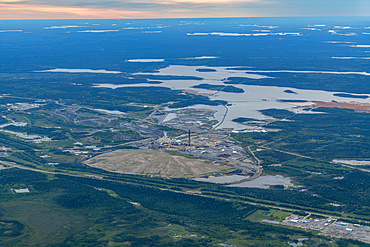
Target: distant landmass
{"points": [[347, 95], [228, 89], [206, 70], [293, 100], [290, 91], [242, 119]]}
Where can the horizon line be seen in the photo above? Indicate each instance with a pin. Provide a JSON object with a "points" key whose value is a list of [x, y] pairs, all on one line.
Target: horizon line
{"points": [[174, 18]]}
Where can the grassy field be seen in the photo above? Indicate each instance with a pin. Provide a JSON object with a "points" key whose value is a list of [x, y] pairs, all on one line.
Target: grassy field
{"points": [[272, 214]]}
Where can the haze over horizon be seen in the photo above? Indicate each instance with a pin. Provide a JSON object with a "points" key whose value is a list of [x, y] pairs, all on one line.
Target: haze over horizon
{"points": [[152, 9]]}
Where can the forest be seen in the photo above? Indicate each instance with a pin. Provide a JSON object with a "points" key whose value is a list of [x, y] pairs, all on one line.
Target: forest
{"points": [[99, 213]]}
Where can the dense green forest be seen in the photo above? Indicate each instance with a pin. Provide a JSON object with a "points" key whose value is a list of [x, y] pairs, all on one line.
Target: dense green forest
{"points": [[74, 211], [78, 89], [304, 150], [330, 133]]}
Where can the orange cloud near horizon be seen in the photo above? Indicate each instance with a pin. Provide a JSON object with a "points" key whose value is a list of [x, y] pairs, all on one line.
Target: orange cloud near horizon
{"points": [[24, 11], [151, 9]]}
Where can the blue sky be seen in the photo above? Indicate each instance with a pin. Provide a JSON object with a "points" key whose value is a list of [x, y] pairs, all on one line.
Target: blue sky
{"points": [[128, 9]]}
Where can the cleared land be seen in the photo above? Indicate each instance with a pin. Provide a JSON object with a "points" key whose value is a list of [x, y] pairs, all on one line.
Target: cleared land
{"points": [[353, 105], [157, 163]]}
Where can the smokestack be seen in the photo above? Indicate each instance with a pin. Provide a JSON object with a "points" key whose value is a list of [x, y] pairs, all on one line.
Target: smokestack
{"points": [[189, 137]]}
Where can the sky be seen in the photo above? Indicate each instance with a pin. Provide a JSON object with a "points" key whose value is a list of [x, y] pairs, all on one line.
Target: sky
{"points": [[149, 9]]}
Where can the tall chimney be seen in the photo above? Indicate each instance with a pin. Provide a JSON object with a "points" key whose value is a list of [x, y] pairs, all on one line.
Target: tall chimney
{"points": [[189, 137]]}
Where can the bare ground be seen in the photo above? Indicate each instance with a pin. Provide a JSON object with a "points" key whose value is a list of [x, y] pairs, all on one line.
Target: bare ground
{"points": [[357, 106], [157, 163]]}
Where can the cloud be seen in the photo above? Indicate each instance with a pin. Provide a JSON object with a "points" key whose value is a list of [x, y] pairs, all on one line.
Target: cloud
{"points": [[205, 3], [30, 11], [333, 32], [10, 31], [311, 28], [61, 27], [198, 58], [360, 46], [338, 42], [11, 1], [97, 71], [345, 58], [340, 27], [121, 9], [241, 34], [269, 27], [310, 72], [97, 31], [134, 9], [152, 32], [145, 60]]}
